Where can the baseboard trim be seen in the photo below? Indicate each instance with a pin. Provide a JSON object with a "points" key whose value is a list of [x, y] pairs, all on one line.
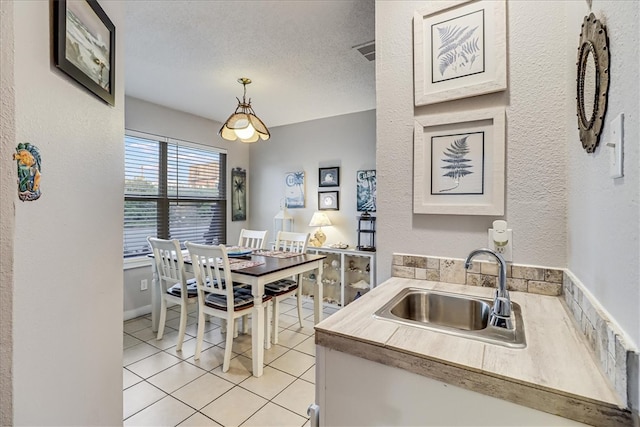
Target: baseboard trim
{"points": [[137, 312]]}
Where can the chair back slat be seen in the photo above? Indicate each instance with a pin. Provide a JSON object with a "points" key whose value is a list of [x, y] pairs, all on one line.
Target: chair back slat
{"points": [[292, 242], [254, 239], [211, 269], [169, 263]]}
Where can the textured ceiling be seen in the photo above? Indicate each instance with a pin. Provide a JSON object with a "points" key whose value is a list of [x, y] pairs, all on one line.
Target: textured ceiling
{"points": [[188, 55]]}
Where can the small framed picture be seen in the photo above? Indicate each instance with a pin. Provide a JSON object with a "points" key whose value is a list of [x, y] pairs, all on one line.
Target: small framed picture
{"points": [[329, 177], [328, 200]]}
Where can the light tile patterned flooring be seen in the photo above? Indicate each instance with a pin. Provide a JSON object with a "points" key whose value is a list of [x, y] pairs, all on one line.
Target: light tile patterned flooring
{"points": [[164, 387]]}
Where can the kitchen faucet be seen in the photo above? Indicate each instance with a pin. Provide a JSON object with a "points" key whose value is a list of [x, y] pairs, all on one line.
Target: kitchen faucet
{"points": [[501, 311]]}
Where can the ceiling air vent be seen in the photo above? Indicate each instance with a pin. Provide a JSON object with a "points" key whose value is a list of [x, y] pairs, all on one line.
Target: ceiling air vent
{"points": [[368, 50]]}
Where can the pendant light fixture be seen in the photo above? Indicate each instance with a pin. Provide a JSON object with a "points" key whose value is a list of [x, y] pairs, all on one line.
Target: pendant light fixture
{"points": [[243, 124]]}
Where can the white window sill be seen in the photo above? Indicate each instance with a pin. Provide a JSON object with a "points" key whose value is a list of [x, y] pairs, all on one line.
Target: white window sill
{"points": [[137, 262]]}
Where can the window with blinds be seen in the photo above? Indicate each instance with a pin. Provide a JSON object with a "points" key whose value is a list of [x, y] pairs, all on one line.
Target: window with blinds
{"points": [[173, 190]]}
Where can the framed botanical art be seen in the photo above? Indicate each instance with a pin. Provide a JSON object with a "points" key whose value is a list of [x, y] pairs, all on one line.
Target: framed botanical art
{"points": [[84, 45], [459, 166], [328, 200], [366, 190], [329, 177], [294, 189], [238, 194], [459, 50]]}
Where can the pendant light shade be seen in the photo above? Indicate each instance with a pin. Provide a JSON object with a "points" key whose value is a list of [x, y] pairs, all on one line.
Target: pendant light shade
{"points": [[243, 124]]}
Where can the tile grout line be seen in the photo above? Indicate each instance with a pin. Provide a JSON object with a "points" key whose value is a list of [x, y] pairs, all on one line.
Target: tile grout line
{"points": [[292, 327]]}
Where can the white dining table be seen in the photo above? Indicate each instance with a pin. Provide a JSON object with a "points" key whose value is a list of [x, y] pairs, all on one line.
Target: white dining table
{"points": [[270, 269]]}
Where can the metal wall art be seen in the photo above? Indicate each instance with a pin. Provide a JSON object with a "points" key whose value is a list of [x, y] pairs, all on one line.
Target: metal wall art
{"points": [[592, 81], [29, 163], [238, 194]]}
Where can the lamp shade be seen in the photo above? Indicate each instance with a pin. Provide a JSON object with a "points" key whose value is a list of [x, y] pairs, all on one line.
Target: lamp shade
{"points": [[319, 219], [243, 124]]}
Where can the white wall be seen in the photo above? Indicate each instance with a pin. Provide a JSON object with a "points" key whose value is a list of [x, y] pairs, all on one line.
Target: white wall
{"points": [[604, 216], [7, 222], [535, 162], [155, 119], [67, 296], [347, 141]]}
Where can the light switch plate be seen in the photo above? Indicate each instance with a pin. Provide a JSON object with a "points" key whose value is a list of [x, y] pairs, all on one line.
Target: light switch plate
{"points": [[616, 144]]}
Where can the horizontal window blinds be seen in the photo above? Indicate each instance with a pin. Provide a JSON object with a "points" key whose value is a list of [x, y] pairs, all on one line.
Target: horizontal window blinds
{"points": [[173, 190]]}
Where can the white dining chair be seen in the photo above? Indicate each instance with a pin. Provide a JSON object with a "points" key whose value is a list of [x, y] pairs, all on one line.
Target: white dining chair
{"points": [[254, 239], [281, 289], [174, 287], [216, 294]]}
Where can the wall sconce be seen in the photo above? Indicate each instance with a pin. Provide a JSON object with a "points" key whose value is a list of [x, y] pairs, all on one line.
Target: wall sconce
{"points": [[319, 219]]}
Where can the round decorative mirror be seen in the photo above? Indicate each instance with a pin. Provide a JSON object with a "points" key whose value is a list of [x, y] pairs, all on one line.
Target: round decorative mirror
{"points": [[593, 81]]}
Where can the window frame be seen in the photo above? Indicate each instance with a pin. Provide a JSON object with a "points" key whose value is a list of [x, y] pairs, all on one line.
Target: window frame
{"points": [[164, 200]]}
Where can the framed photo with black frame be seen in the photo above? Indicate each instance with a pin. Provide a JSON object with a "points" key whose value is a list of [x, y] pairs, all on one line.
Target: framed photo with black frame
{"points": [[328, 200], [84, 46], [329, 177]]}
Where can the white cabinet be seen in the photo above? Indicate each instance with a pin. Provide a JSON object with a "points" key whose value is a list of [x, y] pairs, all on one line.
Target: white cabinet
{"points": [[351, 391], [347, 274]]}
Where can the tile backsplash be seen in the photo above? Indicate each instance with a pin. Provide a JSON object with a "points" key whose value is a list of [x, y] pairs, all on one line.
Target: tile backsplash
{"points": [[618, 360], [614, 353], [536, 280]]}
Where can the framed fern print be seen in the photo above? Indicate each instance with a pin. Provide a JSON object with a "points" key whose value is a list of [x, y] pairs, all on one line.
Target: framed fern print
{"points": [[459, 163], [459, 50]]}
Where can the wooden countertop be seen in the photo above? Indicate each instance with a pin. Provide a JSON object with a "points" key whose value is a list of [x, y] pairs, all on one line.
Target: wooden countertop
{"points": [[555, 373]]}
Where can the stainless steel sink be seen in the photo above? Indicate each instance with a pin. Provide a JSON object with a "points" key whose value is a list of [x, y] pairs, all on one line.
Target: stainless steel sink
{"points": [[454, 314]]}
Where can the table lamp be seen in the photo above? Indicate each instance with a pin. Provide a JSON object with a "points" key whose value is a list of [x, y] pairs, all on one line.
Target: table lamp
{"points": [[319, 219]]}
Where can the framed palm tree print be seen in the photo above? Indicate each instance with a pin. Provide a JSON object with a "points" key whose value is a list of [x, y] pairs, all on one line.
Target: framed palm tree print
{"points": [[238, 194]]}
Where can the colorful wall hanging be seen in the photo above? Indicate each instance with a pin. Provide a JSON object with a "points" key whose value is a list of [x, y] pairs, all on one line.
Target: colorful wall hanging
{"points": [[29, 165]]}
